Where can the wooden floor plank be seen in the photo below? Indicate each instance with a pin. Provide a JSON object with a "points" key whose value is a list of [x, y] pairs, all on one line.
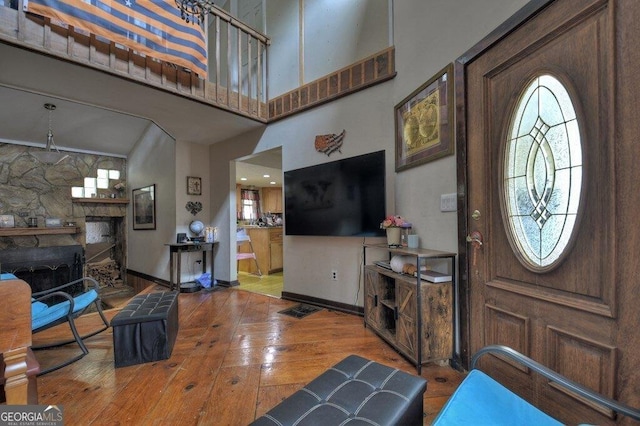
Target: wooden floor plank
{"points": [[235, 357], [233, 398]]}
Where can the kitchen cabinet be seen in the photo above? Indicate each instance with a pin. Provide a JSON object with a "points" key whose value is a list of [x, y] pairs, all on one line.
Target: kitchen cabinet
{"points": [[272, 199], [275, 249], [267, 245], [412, 315]]}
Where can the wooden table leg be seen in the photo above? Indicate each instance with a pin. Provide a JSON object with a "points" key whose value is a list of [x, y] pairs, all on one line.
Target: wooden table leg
{"points": [[178, 276], [171, 260]]}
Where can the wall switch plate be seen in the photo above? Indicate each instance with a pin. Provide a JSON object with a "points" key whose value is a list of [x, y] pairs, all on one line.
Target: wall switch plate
{"points": [[448, 202]]}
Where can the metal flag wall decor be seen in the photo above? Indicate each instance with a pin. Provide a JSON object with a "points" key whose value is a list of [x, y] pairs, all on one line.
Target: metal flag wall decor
{"points": [[327, 144]]}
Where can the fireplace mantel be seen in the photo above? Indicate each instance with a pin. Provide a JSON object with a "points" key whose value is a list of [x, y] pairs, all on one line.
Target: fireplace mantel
{"points": [[18, 232], [100, 200]]}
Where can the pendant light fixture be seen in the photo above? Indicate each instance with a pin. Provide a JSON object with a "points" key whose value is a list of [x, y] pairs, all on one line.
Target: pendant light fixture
{"points": [[194, 11], [50, 155]]}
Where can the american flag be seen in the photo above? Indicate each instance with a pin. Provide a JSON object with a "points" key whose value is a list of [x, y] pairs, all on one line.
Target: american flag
{"points": [[154, 28]]}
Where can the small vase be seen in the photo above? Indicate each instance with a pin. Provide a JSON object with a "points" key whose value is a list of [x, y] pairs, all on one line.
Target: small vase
{"points": [[393, 237]]}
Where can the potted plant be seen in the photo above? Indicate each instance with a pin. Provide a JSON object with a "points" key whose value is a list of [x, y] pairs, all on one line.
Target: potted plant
{"points": [[394, 226]]}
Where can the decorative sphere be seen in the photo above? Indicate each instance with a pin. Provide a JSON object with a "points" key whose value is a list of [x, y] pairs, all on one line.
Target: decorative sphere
{"points": [[196, 227], [397, 262]]}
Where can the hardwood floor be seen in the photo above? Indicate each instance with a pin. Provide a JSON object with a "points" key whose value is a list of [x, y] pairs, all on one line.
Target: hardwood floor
{"points": [[234, 359]]}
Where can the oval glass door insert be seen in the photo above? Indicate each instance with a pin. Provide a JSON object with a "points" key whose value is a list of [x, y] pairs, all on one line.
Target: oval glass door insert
{"points": [[542, 174]]}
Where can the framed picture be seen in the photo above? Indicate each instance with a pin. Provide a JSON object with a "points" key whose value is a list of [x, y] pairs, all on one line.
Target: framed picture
{"points": [[144, 207], [424, 122], [194, 185]]}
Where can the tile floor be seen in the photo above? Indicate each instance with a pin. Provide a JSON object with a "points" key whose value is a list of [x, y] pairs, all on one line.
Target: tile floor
{"points": [[270, 285]]}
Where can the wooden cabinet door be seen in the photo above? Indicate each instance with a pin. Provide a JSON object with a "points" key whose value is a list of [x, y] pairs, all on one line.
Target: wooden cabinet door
{"points": [[276, 257], [437, 321], [272, 200], [406, 325], [277, 195], [275, 250], [372, 298], [266, 200]]}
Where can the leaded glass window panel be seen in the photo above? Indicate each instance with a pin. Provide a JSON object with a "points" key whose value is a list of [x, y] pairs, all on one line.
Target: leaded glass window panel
{"points": [[543, 173]]}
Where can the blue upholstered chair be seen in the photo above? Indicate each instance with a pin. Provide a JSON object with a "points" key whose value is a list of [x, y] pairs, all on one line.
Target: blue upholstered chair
{"points": [[65, 308], [481, 400]]}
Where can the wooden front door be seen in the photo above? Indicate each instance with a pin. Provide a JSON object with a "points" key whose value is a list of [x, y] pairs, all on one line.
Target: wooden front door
{"points": [[547, 195]]}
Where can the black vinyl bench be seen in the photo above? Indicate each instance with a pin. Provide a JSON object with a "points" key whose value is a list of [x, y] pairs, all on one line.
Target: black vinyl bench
{"points": [[356, 391], [145, 330]]}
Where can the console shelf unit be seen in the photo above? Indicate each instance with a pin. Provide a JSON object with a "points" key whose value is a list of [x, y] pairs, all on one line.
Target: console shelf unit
{"points": [[412, 315]]}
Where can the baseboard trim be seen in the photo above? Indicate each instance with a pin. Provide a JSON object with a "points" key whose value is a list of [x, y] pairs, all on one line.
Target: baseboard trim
{"points": [[165, 283], [329, 304], [147, 277]]}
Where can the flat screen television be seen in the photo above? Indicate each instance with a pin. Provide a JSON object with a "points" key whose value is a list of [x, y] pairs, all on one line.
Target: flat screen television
{"points": [[339, 198]]}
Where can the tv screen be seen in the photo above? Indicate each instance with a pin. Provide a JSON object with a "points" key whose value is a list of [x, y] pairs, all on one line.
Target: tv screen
{"points": [[339, 198]]}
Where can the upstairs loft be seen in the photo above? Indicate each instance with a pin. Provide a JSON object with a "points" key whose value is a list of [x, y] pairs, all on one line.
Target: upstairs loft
{"points": [[41, 56], [236, 79]]}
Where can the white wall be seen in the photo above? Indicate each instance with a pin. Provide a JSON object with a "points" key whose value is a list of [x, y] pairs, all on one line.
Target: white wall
{"points": [[428, 36], [332, 35], [191, 160], [152, 161], [222, 193], [283, 61]]}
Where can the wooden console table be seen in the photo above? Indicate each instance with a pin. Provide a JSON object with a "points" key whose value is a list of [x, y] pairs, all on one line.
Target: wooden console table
{"points": [[175, 256]]}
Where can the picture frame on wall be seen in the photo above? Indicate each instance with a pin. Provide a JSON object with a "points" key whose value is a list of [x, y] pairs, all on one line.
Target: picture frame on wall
{"points": [[424, 122], [144, 207], [194, 185]]}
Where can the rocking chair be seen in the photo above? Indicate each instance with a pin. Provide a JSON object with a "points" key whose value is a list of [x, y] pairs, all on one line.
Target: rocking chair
{"points": [[71, 307]]}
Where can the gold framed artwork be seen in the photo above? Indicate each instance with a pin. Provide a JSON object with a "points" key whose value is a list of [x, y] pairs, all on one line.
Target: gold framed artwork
{"points": [[194, 185], [424, 122], [144, 208]]}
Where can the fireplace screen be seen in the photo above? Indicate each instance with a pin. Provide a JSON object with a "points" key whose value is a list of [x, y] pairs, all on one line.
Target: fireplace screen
{"points": [[45, 267]]}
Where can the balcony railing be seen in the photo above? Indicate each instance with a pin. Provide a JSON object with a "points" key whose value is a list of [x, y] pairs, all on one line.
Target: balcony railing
{"points": [[237, 58]]}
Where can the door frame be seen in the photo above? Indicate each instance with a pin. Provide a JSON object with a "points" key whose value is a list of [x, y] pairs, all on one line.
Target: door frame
{"points": [[462, 357]]}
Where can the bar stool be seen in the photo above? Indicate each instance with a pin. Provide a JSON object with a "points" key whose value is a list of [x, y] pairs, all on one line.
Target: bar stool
{"points": [[242, 238]]}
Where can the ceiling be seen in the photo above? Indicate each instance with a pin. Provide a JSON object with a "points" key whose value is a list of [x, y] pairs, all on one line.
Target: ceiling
{"points": [[77, 127], [254, 169]]}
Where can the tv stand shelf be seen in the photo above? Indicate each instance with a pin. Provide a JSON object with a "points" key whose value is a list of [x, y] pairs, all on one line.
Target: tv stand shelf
{"points": [[412, 315]]}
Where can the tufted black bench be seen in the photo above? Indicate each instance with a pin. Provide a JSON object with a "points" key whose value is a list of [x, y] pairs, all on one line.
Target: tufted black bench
{"points": [[146, 329], [354, 391]]}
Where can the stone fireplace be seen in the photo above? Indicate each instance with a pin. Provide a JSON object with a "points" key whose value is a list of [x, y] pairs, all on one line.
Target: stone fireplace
{"points": [[34, 192]]}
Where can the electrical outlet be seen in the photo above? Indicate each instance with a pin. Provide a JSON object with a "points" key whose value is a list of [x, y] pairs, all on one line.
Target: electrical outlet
{"points": [[198, 261], [448, 202], [334, 275]]}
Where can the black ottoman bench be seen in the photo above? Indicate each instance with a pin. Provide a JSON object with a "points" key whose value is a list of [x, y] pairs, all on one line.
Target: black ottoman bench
{"points": [[146, 329], [356, 391]]}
